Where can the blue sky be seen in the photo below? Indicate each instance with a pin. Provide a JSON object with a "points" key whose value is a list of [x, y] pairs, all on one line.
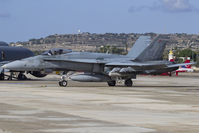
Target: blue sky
{"points": [[21, 20]]}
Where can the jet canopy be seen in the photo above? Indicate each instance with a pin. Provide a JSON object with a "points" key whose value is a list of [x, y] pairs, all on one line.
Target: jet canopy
{"points": [[57, 51]]}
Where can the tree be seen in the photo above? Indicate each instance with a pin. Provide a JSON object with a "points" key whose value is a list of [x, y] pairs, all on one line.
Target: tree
{"points": [[111, 49], [186, 53]]}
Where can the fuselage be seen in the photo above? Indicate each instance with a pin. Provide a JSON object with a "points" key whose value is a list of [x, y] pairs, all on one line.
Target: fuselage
{"points": [[86, 62], [38, 63]]}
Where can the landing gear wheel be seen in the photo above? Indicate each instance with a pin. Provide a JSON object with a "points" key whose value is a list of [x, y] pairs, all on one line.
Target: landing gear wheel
{"points": [[63, 83], [111, 83], [128, 83], [2, 76], [21, 76]]}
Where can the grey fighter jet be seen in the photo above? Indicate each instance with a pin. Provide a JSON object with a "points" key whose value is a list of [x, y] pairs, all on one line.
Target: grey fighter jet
{"points": [[9, 54], [143, 58]]}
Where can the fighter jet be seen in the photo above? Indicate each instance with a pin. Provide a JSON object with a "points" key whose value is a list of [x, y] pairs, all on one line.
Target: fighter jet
{"points": [[145, 57], [8, 54]]}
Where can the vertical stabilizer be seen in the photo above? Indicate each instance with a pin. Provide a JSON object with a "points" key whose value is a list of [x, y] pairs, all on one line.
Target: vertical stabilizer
{"points": [[140, 45], [155, 50]]}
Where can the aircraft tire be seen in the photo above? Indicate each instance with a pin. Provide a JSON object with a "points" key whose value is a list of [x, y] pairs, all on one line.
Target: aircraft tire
{"points": [[60, 83], [111, 83], [128, 83], [63, 83], [21, 77]]}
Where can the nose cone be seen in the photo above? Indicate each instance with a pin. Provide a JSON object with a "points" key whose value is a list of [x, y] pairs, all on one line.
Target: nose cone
{"points": [[15, 66]]}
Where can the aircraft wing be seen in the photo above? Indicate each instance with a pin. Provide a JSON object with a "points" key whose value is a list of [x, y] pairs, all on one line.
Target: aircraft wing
{"points": [[88, 61], [94, 61]]}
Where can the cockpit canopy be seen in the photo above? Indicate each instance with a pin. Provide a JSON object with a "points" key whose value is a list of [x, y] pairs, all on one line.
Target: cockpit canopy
{"points": [[57, 51]]}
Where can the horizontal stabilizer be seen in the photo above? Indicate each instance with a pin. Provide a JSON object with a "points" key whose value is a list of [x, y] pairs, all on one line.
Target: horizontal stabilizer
{"points": [[134, 64], [182, 64]]}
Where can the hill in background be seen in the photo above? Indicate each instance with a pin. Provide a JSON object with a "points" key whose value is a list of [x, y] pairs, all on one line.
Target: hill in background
{"points": [[94, 42]]}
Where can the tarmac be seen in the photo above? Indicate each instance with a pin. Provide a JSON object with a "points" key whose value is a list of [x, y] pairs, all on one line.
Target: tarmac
{"points": [[155, 104]]}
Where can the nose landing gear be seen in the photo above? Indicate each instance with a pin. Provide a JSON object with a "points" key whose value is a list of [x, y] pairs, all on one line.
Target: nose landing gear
{"points": [[64, 79], [63, 83]]}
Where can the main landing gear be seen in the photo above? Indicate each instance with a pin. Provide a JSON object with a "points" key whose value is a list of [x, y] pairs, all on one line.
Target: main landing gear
{"points": [[111, 83], [21, 76], [127, 83]]}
